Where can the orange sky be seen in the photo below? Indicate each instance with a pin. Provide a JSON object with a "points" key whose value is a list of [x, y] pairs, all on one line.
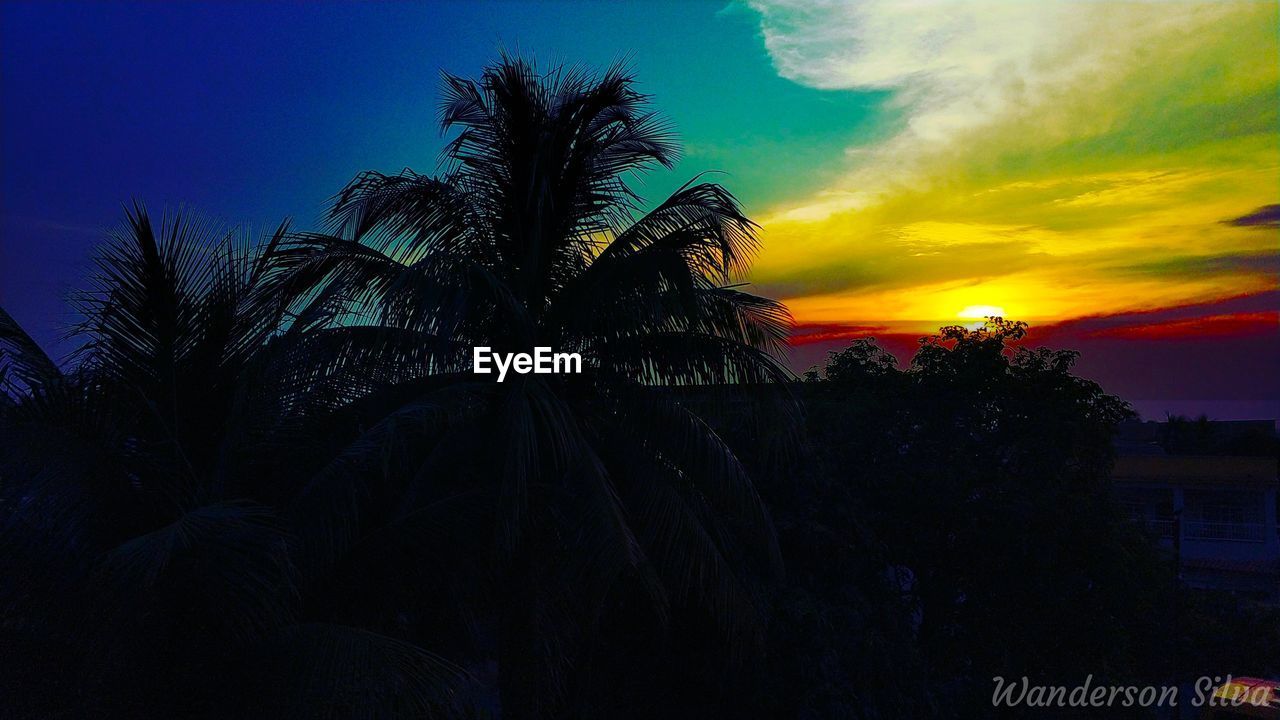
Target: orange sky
{"points": [[1051, 161]]}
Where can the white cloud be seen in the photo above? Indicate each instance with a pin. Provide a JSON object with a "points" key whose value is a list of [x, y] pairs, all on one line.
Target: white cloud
{"points": [[955, 67]]}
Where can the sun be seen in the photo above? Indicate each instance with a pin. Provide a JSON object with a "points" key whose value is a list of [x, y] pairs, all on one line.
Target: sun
{"points": [[979, 312]]}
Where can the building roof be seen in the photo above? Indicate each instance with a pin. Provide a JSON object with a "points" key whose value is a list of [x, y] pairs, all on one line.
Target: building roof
{"points": [[1230, 471], [1267, 566]]}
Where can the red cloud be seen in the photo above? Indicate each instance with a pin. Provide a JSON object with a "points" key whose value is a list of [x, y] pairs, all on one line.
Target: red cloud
{"points": [[1209, 326], [809, 333], [1217, 358]]}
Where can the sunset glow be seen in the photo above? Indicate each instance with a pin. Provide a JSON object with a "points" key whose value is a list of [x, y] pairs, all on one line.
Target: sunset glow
{"points": [[977, 312], [1070, 159]]}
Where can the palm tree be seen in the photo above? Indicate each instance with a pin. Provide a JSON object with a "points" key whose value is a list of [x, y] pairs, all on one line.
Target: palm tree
{"points": [[149, 546], [268, 480], [593, 484]]}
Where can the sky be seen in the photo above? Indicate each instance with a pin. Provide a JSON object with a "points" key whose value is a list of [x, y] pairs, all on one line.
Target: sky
{"points": [[1108, 172]]}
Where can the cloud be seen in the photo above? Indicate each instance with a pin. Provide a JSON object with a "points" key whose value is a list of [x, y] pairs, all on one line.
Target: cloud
{"points": [[887, 44], [1059, 159], [1267, 216], [1254, 263], [955, 63], [958, 65], [1263, 322], [810, 333]]}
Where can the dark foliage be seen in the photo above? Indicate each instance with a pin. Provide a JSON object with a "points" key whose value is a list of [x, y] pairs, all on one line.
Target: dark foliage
{"points": [[977, 481], [977, 478], [268, 483]]}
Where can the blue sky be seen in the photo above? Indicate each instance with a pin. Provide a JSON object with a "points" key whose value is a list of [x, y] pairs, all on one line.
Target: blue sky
{"points": [[255, 112]]}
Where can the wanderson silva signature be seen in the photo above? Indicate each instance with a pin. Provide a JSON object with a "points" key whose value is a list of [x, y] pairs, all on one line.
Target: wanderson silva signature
{"points": [[542, 362], [1021, 693]]}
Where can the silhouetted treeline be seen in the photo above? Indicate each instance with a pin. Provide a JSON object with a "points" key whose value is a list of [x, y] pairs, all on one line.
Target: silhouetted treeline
{"points": [[1180, 435], [954, 522]]}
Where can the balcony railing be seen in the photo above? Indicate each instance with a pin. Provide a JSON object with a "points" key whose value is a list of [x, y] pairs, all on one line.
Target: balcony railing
{"points": [[1160, 527], [1242, 532]]}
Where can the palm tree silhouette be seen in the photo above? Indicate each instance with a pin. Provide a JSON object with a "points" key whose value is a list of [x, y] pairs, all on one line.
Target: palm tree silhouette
{"points": [[270, 477], [151, 570], [532, 237]]}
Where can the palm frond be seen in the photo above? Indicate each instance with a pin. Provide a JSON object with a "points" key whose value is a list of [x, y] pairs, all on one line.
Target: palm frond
{"points": [[23, 365], [142, 314], [405, 215], [325, 670], [691, 551], [331, 511], [231, 555], [703, 222], [664, 428]]}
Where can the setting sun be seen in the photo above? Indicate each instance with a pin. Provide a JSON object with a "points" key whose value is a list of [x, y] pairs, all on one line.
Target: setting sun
{"points": [[978, 312]]}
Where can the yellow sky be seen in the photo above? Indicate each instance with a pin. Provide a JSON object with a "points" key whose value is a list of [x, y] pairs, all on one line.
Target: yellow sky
{"points": [[1092, 169]]}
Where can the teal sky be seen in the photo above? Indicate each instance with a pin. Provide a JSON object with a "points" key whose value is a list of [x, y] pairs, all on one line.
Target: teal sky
{"points": [[706, 65]]}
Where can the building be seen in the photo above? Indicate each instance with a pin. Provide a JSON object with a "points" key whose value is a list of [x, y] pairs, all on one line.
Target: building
{"points": [[1217, 513]]}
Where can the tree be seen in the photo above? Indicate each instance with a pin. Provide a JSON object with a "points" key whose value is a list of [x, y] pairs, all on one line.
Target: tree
{"points": [[532, 237], [274, 465], [149, 551], [978, 478]]}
